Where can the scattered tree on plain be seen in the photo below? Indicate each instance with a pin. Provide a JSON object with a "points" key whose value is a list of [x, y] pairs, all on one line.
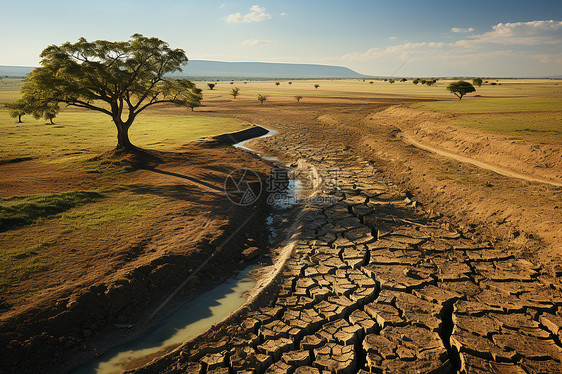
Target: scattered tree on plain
{"points": [[32, 103], [460, 88], [416, 81], [298, 98], [277, 84], [403, 80], [316, 86], [211, 85], [371, 82], [262, 98], [391, 81], [477, 82], [290, 83], [234, 92], [194, 104], [18, 109], [120, 79]]}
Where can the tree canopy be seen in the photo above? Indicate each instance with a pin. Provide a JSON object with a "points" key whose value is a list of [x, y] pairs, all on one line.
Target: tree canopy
{"points": [[477, 82], [120, 79], [461, 88]]}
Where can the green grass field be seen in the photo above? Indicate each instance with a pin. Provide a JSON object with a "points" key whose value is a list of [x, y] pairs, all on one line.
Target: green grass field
{"points": [[80, 133], [537, 125], [494, 105]]}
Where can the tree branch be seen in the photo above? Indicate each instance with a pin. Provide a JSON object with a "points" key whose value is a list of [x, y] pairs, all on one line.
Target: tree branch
{"points": [[83, 104]]}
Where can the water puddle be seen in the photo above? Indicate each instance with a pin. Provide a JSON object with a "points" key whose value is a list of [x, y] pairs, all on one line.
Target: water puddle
{"points": [[190, 320]]}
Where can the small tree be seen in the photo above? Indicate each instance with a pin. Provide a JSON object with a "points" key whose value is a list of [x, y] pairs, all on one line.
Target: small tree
{"points": [[371, 82], [45, 109], [18, 109], [277, 84], [431, 82], [316, 86], [194, 104], [416, 81], [460, 88], [298, 98], [403, 80], [477, 82], [211, 85], [234, 92], [262, 98], [290, 83], [391, 81]]}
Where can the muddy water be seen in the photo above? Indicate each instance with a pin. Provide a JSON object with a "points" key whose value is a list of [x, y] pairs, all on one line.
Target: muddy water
{"points": [[196, 316], [190, 320]]}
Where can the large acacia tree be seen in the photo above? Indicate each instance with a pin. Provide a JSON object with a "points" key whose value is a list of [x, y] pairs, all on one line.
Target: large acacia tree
{"points": [[120, 79]]}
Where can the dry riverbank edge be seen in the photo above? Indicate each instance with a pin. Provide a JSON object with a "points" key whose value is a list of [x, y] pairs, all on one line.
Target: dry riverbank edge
{"points": [[61, 330]]}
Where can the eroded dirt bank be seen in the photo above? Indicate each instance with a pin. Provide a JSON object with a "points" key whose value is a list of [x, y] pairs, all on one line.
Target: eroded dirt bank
{"points": [[380, 283], [128, 277]]}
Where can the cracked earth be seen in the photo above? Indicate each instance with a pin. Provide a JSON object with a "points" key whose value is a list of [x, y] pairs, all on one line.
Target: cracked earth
{"points": [[375, 285]]}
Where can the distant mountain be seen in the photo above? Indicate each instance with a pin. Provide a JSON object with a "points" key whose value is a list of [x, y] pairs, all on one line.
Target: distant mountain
{"points": [[225, 70], [208, 69], [15, 70]]}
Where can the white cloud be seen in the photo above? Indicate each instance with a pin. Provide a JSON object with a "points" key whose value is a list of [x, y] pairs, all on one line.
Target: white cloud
{"points": [[255, 14], [254, 42], [283, 14], [222, 5], [234, 18], [523, 33], [392, 38], [460, 30], [519, 35], [401, 49]]}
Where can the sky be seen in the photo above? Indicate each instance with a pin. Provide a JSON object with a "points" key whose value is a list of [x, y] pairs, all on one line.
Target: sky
{"points": [[401, 37]]}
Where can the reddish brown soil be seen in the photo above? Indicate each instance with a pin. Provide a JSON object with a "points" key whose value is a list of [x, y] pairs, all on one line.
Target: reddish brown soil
{"points": [[121, 275]]}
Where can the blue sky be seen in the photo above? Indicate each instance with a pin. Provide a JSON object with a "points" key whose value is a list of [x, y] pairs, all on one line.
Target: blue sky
{"points": [[421, 38]]}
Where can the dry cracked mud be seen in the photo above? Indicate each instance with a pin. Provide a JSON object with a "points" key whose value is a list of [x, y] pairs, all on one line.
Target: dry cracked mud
{"points": [[375, 285]]}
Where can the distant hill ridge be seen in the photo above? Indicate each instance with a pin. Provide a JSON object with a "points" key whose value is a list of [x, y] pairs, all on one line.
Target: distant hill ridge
{"points": [[219, 69]]}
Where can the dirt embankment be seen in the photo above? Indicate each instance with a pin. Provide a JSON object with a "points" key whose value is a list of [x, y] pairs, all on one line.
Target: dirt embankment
{"points": [[124, 280], [515, 212], [533, 159]]}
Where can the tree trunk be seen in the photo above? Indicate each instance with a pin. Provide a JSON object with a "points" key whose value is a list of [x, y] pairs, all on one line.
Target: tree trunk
{"points": [[123, 141], [19, 118]]}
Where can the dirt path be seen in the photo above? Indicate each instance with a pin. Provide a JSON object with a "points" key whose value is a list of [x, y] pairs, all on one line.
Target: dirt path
{"points": [[373, 285], [480, 164]]}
